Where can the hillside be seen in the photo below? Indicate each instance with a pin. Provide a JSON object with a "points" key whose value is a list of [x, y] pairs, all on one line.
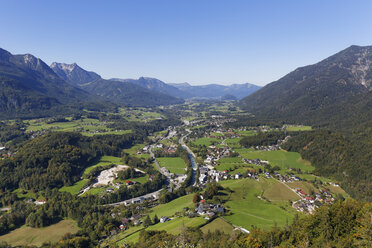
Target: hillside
{"points": [[29, 88], [309, 89], [334, 94], [128, 94], [73, 74]]}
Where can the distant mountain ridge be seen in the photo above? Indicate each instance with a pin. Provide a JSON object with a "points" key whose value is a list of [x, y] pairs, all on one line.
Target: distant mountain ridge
{"points": [[218, 91], [314, 88], [72, 73], [155, 85], [187, 91]]}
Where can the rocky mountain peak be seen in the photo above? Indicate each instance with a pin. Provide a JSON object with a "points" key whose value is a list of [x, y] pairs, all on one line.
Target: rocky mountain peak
{"points": [[73, 73]]}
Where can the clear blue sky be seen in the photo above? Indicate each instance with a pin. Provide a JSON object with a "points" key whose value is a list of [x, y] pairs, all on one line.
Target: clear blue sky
{"points": [[195, 41]]}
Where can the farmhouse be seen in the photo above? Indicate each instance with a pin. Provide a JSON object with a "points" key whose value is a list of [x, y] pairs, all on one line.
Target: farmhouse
{"points": [[164, 219]]}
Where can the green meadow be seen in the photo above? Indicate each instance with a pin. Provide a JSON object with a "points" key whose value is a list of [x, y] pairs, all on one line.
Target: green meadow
{"points": [[29, 236], [75, 189], [233, 142], [170, 208], [218, 224], [298, 128], [246, 133], [281, 158], [86, 126], [248, 210], [206, 141], [173, 226], [174, 165], [104, 160]]}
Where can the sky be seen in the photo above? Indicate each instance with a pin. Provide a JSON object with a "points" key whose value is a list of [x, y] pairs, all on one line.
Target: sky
{"points": [[194, 41]]}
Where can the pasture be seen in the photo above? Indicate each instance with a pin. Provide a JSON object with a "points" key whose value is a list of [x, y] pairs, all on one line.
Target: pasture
{"points": [[281, 158], [233, 142], [246, 133], [173, 226], [104, 160], [175, 165], [293, 128], [206, 141], [170, 208], [248, 210], [75, 189], [218, 224], [25, 235], [86, 126]]}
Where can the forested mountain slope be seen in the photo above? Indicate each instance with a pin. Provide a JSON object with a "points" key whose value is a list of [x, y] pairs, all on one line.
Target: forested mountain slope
{"points": [[128, 94], [29, 88], [315, 87]]}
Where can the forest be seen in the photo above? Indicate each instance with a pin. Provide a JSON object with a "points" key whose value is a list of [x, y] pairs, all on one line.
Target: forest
{"points": [[347, 159]]}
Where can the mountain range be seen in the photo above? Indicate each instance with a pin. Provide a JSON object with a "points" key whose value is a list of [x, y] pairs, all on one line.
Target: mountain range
{"points": [[216, 91], [187, 91], [29, 87]]}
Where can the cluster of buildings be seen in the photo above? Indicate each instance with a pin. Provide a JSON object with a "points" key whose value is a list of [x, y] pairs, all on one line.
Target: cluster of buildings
{"points": [[257, 161], [208, 174], [286, 178], [308, 204], [207, 210], [215, 153]]}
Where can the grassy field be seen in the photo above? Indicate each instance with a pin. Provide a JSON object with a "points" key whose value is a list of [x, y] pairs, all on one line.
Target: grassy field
{"points": [[85, 126], [307, 187], [170, 208], [230, 166], [278, 191], [174, 165], [25, 194], [95, 191], [233, 143], [230, 163], [109, 132], [336, 190], [173, 226], [216, 134], [105, 160], [37, 236], [198, 127], [142, 179], [248, 210], [298, 128], [133, 151], [120, 238], [281, 158], [139, 114], [230, 160], [218, 224], [206, 141], [74, 189], [246, 133]]}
